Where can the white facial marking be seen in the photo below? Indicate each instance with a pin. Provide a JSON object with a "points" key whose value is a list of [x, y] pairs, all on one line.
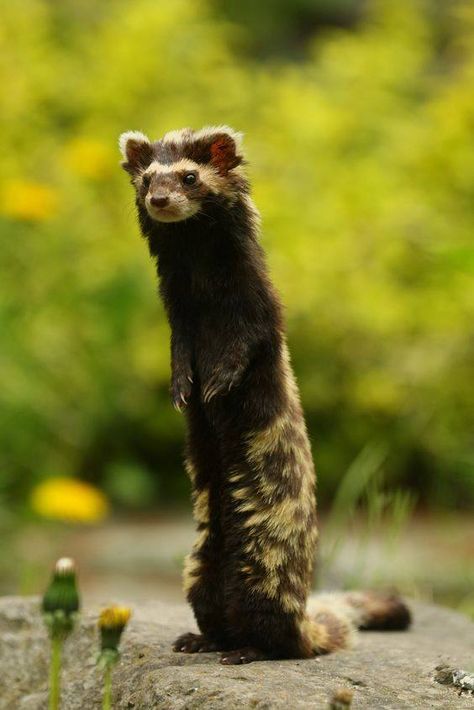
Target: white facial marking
{"points": [[177, 209], [183, 164]]}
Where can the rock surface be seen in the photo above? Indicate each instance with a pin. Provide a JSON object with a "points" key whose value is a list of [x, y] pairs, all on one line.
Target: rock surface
{"points": [[385, 670]]}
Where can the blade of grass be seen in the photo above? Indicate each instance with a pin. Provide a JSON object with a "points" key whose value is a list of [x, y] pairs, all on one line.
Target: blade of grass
{"points": [[362, 470]]}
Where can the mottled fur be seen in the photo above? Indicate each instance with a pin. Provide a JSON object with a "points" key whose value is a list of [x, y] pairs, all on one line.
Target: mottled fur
{"points": [[248, 455]]}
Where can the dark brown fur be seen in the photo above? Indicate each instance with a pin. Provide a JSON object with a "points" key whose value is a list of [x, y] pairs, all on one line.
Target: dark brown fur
{"points": [[248, 455]]}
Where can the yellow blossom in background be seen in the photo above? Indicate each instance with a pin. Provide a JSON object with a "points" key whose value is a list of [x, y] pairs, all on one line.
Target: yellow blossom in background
{"points": [[26, 200], [89, 158], [70, 500]]}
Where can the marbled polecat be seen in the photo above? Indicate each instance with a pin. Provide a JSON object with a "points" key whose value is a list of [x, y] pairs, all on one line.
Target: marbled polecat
{"points": [[248, 456]]}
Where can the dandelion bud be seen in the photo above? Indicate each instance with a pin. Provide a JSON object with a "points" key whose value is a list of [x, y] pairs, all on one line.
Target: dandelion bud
{"points": [[112, 622], [61, 600]]}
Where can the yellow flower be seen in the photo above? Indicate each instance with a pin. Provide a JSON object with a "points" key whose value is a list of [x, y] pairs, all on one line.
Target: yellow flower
{"points": [[70, 500], [89, 158], [112, 622], [114, 617], [31, 201]]}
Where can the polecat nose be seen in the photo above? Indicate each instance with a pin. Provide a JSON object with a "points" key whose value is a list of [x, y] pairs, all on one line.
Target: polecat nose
{"points": [[159, 200]]}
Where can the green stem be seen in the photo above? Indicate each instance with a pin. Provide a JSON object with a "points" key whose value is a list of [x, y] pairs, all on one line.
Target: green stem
{"points": [[55, 674], [107, 698]]}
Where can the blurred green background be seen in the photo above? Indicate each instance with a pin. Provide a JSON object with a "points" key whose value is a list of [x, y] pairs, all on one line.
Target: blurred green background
{"points": [[359, 131]]}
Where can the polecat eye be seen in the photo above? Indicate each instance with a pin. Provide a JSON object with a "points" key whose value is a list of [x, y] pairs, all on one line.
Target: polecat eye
{"points": [[146, 179], [189, 178]]}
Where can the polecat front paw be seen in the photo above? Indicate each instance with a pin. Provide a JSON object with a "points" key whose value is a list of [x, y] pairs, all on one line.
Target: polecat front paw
{"points": [[194, 643], [220, 383], [181, 386]]}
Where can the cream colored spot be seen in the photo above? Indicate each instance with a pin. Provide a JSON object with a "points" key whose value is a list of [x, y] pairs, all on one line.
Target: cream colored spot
{"points": [[242, 494], [267, 441], [236, 477], [267, 585], [200, 540], [201, 506], [190, 469], [316, 633], [192, 565], [282, 519], [191, 572], [274, 557], [290, 603]]}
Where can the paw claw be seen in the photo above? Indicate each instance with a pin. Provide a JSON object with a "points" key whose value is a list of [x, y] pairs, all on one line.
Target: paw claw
{"points": [[180, 401], [181, 388], [178, 406], [194, 643], [240, 656], [221, 382]]}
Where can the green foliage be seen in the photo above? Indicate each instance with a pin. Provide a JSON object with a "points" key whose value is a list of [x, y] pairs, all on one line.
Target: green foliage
{"points": [[362, 163], [130, 485], [272, 26]]}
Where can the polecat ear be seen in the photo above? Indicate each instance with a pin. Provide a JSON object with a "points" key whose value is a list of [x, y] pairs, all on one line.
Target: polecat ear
{"points": [[136, 150], [220, 146], [224, 155]]}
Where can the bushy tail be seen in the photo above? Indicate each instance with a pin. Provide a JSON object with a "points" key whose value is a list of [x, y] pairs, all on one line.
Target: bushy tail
{"points": [[332, 618]]}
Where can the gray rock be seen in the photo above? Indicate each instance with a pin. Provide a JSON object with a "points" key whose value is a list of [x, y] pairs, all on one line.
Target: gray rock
{"points": [[385, 670]]}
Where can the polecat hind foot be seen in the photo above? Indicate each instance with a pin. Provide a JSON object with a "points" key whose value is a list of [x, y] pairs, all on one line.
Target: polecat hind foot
{"points": [[242, 655], [195, 643]]}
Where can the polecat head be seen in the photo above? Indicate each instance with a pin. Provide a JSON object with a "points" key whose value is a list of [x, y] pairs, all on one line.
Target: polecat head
{"points": [[176, 176]]}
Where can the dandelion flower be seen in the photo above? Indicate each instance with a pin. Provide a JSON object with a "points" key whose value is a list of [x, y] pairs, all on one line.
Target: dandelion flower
{"points": [[29, 201], [112, 622], [70, 500], [89, 158]]}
